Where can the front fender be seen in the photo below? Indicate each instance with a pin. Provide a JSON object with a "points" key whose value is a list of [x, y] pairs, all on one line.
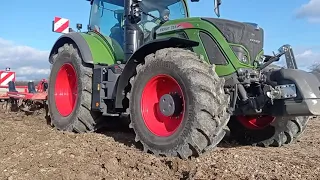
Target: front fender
{"points": [[78, 40], [94, 49], [138, 56]]}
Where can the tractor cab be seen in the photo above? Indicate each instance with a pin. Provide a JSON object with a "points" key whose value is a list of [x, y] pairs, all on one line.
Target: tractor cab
{"points": [[107, 16]]}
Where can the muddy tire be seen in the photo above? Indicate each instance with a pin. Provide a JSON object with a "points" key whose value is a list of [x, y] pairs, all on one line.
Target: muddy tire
{"points": [[199, 125], [70, 91], [282, 131]]}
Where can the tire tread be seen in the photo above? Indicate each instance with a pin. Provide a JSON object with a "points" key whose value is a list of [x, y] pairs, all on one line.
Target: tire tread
{"points": [[86, 119], [208, 129]]}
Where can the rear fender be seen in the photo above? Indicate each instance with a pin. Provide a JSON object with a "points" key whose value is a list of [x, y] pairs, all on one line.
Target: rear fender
{"points": [[138, 57], [78, 40], [94, 49]]}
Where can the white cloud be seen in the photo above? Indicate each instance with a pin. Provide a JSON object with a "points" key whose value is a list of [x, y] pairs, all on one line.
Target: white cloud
{"points": [[305, 58], [28, 63], [310, 11]]}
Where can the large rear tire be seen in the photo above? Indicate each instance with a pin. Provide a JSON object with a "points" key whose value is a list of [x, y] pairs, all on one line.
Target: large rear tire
{"points": [[197, 95], [70, 91], [283, 130]]}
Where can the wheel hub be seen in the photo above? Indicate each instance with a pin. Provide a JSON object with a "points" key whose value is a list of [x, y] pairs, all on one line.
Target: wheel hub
{"points": [[66, 89], [170, 104], [255, 122], [162, 105]]}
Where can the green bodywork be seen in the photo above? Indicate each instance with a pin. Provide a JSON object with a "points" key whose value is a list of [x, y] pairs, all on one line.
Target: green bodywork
{"points": [[105, 50], [193, 34], [108, 51]]}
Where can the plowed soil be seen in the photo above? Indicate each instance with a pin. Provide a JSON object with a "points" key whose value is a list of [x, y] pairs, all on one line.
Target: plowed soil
{"points": [[31, 149]]}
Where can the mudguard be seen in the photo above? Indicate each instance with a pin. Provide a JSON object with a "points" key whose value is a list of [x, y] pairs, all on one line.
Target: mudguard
{"points": [[307, 100], [76, 38], [94, 48]]}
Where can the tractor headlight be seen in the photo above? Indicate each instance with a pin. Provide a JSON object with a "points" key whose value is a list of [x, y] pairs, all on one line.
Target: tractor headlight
{"points": [[241, 53], [244, 59]]}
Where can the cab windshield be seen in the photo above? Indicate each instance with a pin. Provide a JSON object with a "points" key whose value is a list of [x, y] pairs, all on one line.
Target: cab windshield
{"points": [[107, 16]]}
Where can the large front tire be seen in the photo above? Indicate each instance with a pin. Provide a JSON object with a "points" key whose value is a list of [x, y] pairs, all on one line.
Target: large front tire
{"points": [[199, 125], [70, 91]]}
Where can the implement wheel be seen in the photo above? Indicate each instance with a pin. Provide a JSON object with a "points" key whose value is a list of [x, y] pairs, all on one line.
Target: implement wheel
{"points": [[70, 91], [177, 104]]}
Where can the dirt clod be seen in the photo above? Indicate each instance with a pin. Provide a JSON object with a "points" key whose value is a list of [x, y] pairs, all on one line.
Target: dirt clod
{"points": [[31, 149]]}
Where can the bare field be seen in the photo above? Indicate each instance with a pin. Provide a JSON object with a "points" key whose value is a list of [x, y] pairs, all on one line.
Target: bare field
{"points": [[31, 149]]}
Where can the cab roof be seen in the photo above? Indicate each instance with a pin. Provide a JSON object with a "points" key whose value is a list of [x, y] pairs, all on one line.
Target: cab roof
{"points": [[147, 5]]}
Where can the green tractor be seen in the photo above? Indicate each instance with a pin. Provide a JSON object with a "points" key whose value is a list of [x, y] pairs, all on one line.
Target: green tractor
{"points": [[180, 81]]}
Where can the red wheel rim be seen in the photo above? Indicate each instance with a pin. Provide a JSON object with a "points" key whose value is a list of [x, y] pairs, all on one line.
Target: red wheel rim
{"points": [[66, 89], [255, 122], [155, 121]]}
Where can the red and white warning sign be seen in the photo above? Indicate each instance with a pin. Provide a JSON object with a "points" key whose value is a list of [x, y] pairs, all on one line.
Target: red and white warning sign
{"points": [[61, 25], [6, 77]]}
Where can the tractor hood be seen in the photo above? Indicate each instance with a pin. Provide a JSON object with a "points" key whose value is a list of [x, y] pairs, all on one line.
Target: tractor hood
{"points": [[249, 35]]}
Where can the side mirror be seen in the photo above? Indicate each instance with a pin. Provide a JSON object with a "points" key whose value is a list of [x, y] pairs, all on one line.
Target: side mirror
{"points": [[79, 26], [91, 2], [217, 3], [71, 30], [284, 48]]}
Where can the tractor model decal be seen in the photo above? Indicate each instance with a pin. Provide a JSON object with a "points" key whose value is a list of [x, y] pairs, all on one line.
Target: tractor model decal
{"points": [[61, 25], [6, 77], [183, 25]]}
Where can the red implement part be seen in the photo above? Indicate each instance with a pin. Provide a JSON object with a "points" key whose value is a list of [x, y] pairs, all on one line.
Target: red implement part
{"points": [[28, 96], [4, 96], [40, 87], [155, 121], [19, 98], [255, 122], [40, 94], [4, 91]]}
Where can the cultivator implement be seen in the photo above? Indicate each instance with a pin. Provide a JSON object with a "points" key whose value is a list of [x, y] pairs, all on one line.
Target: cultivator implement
{"points": [[30, 99]]}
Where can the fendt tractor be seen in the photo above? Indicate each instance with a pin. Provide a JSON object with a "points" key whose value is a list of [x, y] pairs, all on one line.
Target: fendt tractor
{"points": [[180, 81]]}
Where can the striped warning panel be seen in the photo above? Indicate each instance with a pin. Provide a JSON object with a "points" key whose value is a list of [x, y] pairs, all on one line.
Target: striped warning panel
{"points": [[6, 77], [61, 25]]}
